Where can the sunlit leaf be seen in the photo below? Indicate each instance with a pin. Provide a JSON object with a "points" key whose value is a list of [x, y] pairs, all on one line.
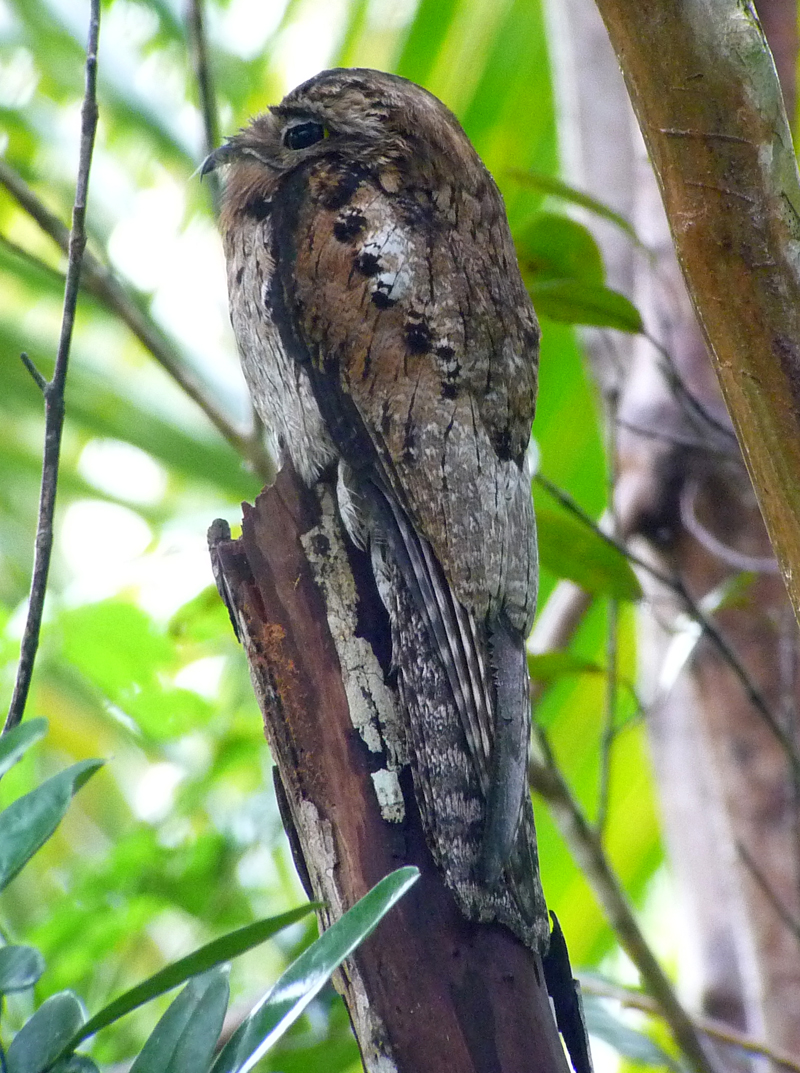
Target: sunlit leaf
{"points": [[548, 666], [305, 977], [28, 822], [576, 302], [549, 184], [20, 968], [421, 49], [572, 550], [41, 1039], [553, 247], [16, 742]]}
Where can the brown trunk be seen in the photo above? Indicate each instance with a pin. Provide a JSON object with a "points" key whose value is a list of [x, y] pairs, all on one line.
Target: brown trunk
{"points": [[727, 792], [429, 991]]}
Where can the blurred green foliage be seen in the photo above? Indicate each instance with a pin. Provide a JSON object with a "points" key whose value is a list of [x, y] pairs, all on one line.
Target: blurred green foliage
{"points": [[178, 838]]}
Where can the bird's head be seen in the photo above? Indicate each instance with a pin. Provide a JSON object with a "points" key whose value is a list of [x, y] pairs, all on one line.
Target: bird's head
{"points": [[379, 120]]}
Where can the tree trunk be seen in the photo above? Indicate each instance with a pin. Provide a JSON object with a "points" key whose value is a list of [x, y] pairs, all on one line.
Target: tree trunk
{"points": [[429, 991], [727, 785]]}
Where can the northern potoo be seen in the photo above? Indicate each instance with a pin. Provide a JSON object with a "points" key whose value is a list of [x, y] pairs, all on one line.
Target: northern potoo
{"points": [[386, 334]]}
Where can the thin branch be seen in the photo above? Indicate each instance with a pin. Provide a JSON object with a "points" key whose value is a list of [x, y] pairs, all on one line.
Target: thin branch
{"points": [[54, 389], [675, 440], [612, 628], [201, 65], [693, 609], [692, 406], [101, 282], [786, 917], [585, 846], [723, 1033]]}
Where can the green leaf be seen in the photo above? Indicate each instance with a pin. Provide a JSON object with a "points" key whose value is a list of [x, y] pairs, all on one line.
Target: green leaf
{"points": [[183, 1041], [214, 953], [76, 1063], [18, 741], [40, 1040], [20, 968], [556, 247], [27, 823], [576, 302], [130, 670], [548, 666], [548, 184], [306, 976], [428, 31], [625, 1040], [569, 549]]}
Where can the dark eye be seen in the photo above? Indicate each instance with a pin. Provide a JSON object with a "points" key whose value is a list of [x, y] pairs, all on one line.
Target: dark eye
{"points": [[302, 135]]}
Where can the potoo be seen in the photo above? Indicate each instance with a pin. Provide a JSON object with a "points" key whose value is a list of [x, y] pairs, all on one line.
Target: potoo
{"points": [[387, 337]]}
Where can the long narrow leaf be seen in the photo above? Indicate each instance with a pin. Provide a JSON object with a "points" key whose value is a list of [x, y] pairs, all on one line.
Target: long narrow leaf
{"points": [[214, 953], [548, 184], [165, 1049], [306, 976], [18, 741], [38, 1043], [30, 820]]}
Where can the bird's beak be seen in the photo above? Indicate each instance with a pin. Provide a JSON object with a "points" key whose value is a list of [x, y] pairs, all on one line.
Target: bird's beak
{"points": [[215, 159]]}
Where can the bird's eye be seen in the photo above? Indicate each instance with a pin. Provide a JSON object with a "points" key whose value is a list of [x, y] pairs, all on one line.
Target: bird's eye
{"points": [[301, 135]]}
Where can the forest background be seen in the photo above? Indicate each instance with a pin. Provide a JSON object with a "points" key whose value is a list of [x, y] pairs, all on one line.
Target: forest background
{"points": [[178, 838]]}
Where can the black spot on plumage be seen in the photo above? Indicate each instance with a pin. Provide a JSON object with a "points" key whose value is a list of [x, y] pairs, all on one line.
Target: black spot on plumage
{"points": [[257, 206], [385, 418], [349, 226], [502, 444], [381, 299], [341, 191], [445, 352], [368, 264], [418, 336], [449, 390]]}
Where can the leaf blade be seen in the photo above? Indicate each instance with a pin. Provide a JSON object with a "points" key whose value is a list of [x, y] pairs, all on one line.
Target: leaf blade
{"points": [[29, 821], [207, 957], [571, 550], [17, 742], [308, 974]]}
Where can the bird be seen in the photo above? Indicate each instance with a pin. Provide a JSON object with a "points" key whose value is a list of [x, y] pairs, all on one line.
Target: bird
{"points": [[387, 338]]}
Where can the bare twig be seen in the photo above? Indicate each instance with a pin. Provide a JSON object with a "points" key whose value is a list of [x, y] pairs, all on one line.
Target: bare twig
{"points": [[201, 64], [694, 409], [723, 1033], [585, 846], [791, 922], [610, 707], [693, 609], [54, 389], [101, 282]]}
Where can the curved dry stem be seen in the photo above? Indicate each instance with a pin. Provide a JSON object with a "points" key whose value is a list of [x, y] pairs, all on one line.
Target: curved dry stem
{"points": [[53, 390]]}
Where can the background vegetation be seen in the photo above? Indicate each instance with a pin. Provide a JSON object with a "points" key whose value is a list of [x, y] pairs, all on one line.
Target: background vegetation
{"points": [[177, 839]]}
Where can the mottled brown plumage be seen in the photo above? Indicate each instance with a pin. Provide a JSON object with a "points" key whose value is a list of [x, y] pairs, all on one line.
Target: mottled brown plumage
{"points": [[384, 328]]}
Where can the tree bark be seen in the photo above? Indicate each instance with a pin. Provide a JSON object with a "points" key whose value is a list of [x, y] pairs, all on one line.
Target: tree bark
{"points": [[429, 991], [703, 85], [728, 795]]}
